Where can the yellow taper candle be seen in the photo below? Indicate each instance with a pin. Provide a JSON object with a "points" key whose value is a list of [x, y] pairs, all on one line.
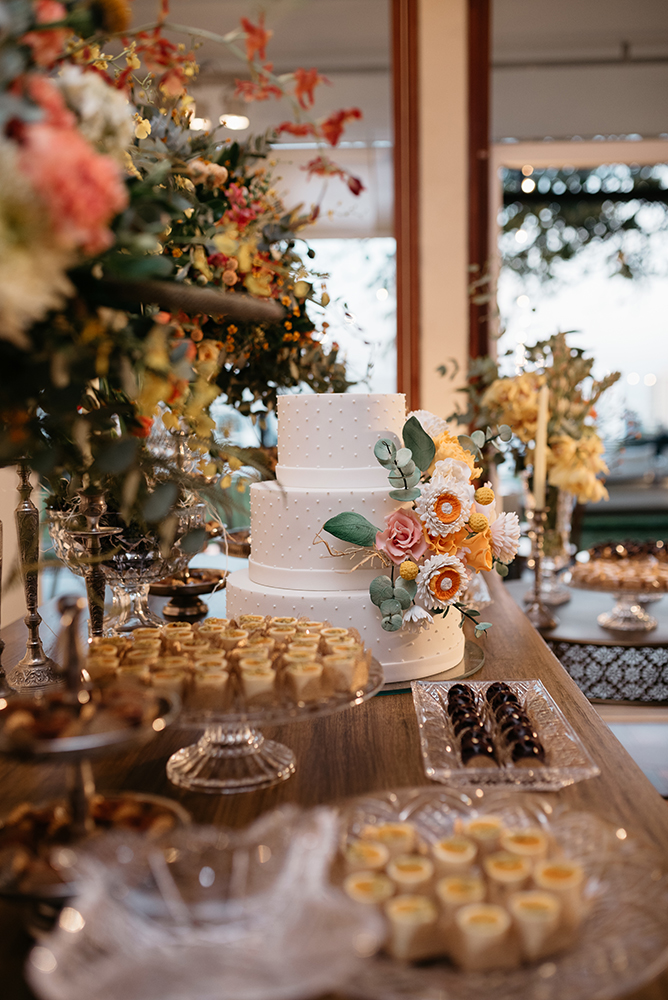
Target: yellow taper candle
{"points": [[540, 453]]}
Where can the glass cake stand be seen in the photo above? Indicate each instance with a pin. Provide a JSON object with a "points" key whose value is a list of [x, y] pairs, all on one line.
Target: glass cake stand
{"points": [[628, 614], [233, 756], [75, 752]]}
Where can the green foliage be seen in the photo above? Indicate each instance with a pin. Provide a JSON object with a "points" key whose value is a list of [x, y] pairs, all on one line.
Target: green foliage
{"points": [[381, 589], [421, 445], [353, 528]]}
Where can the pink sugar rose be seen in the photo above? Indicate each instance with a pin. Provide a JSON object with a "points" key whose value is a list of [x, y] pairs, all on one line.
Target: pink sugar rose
{"points": [[403, 536], [81, 189]]}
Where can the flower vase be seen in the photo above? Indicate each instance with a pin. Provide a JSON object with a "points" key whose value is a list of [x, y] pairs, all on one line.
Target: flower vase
{"points": [[557, 545]]}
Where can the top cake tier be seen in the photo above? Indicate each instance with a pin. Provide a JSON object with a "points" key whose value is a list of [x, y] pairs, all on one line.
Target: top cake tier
{"points": [[328, 439]]}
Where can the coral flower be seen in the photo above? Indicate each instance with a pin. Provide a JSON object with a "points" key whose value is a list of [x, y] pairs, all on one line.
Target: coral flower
{"points": [[332, 128], [46, 46], [257, 37], [81, 189], [402, 537], [306, 80]]}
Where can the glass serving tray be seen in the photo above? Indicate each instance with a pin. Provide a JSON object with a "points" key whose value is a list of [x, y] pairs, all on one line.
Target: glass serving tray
{"points": [[621, 944], [567, 761]]}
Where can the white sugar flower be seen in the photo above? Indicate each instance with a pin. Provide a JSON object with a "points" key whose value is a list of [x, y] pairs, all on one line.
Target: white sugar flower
{"points": [[440, 581], [452, 468], [444, 505], [505, 536], [432, 424], [416, 618]]}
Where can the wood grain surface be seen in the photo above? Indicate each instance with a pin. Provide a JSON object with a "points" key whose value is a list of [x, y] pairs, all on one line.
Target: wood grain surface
{"points": [[372, 747]]}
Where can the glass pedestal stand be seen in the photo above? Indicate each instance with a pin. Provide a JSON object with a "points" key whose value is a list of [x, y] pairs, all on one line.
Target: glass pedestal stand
{"points": [[628, 615], [233, 756]]}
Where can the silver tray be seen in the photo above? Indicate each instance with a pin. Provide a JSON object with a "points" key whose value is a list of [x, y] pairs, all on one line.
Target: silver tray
{"points": [[567, 761], [622, 942]]}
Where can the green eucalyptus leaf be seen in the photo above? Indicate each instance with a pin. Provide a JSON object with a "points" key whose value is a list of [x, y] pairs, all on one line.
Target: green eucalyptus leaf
{"points": [[403, 457], [505, 433], [469, 445], [404, 598], [392, 624], [413, 479], [396, 478], [421, 445], [478, 438], [385, 450], [481, 628], [351, 527], [404, 496], [381, 589], [408, 468], [158, 505], [391, 607], [501, 569], [405, 586]]}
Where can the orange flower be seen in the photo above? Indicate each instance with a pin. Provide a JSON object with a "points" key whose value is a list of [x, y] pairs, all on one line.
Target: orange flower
{"points": [[300, 129], [479, 555], [440, 581], [256, 38], [447, 446], [445, 585], [447, 544], [447, 508], [306, 80], [332, 127]]}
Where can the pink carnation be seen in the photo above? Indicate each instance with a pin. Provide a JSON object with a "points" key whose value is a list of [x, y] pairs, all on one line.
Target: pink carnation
{"points": [[81, 189], [403, 536], [44, 92], [47, 46]]}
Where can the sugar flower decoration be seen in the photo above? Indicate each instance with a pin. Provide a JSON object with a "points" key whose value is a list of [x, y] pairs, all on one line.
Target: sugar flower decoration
{"points": [[416, 619], [432, 424], [440, 581], [505, 537], [402, 537], [444, 505], [454, 468]]}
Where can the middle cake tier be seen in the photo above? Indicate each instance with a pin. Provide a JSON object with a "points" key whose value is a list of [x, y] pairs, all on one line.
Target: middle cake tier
{"points": [[286, 553]]}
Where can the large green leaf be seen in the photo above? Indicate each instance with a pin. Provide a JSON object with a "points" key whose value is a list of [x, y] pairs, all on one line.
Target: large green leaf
{"points": [[351, 527], [421, 445], [159, 503]]}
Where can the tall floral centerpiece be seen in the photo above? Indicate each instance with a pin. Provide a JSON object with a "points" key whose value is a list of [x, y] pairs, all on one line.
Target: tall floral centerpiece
{"points": [[575, 464], [444, 527]]}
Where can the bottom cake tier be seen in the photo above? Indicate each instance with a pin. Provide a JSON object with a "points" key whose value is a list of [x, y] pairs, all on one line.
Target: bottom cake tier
{"points": [[403, 655]]}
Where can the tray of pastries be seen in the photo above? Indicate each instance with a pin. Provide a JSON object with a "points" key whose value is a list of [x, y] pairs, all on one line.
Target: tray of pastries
{"points": [[255, 667], [59, 722], [618, 567], [492, 733], [33, 836], [502, 895]]}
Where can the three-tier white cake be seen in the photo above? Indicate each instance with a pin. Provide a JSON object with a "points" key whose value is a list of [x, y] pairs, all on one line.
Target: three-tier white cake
{"points": [[326, 466]]}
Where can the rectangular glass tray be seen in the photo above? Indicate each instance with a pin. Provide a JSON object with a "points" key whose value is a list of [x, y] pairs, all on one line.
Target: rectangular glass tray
{"points": [[567, 761]]}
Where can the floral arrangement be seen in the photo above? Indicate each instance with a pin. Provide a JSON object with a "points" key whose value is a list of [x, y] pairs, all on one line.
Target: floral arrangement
{"points": [[574, 455], [442, 530], [115, 220]]}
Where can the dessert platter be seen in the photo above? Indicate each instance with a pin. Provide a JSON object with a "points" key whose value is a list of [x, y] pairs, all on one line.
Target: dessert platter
{"points": [[418, 893], [292, 572], [232, 676], [495, 733], [502, 895], [633, 572]]}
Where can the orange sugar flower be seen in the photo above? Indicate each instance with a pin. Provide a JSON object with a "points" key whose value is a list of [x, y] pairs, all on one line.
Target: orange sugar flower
{"points": [[441, 579], [332, 128]]}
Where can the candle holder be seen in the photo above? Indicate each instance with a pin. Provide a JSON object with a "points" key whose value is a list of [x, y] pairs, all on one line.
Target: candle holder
{"points": [[36, 669], [93, 506], [5, 688], [537, 613]]}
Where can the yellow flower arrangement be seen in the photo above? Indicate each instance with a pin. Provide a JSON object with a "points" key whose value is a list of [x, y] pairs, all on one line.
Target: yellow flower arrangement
{"points": [[574, 465], [515, 400]]}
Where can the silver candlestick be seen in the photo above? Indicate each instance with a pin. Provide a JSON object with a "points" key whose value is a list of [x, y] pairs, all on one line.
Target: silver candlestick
{"points": [[5, 688], [537, 613], [36, 669], [93, 506]]}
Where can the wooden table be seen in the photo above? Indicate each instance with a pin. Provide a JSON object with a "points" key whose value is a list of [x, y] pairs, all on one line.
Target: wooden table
{"points": [[366, 749]]}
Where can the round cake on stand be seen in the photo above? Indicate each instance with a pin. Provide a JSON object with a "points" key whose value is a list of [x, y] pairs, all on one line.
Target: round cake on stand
{"points": [[326, 466]]}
